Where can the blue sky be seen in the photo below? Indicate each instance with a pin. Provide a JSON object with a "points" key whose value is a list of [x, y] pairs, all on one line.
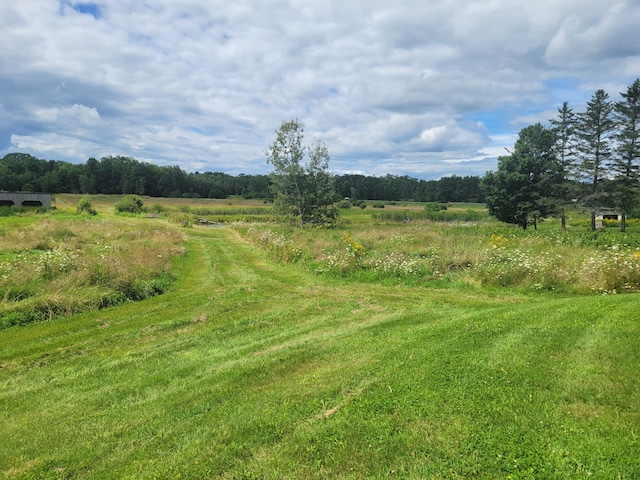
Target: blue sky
{"points": [[425, 89]]}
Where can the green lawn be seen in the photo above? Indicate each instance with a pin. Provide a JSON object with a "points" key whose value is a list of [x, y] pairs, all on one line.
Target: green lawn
{"points": [[252, 369]]}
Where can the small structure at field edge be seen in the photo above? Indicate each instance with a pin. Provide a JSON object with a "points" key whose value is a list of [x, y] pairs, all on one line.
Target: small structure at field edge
{"points": [[606, 214], [10, 199]]}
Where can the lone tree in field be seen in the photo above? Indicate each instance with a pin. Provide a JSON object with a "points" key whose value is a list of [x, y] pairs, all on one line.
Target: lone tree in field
{"points": [[304, 191]]}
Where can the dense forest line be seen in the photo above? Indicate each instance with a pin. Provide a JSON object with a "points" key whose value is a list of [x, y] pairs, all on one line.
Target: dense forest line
{"points": [[125, 175]]}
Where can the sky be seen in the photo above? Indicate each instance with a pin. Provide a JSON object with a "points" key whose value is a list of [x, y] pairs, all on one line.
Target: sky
{"points": [[424, 88]]}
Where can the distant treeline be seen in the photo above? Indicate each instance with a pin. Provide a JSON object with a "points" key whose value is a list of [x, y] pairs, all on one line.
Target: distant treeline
{"points": [[126, 175]]}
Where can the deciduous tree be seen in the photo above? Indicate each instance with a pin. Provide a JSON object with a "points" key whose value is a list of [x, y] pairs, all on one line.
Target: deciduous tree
{"points": [[301, 190]]}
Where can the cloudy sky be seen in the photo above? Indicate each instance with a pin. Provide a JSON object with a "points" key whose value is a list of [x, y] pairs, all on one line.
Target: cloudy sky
{"points": [[424, 88]]}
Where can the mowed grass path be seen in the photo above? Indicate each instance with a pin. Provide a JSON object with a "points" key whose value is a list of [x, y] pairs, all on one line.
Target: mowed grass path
{"points": [[250, 369]]}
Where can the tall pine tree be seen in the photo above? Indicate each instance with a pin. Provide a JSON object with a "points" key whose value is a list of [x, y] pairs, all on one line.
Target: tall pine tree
{"points": [[563, 128], [625, 164], [594, 129]]}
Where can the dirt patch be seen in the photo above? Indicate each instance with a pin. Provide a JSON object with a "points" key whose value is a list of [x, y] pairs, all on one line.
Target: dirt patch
{"points": [[270, 349]]}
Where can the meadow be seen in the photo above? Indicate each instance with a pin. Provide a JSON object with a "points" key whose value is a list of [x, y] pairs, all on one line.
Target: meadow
{"points": [[378, 349]]}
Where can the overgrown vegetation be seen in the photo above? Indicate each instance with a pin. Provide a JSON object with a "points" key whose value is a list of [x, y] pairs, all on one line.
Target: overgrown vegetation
{"points": [[52, 266], [458, 247]]}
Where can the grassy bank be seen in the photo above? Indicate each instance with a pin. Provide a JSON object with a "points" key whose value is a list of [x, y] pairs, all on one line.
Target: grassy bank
{"points": [[55, 265], [249, 368]]}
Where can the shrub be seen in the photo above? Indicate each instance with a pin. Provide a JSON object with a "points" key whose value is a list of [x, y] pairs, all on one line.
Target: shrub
{"points": [[434, 207], [84, 206], [378, 205], [129, 204]]}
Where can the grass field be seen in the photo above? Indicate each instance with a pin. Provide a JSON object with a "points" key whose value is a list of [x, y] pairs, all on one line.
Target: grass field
{"points": [[252, 368]]}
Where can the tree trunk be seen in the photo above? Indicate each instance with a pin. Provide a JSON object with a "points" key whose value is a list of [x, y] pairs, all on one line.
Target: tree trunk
{"points": [[623, 222], [563, 221], [593, 221]]}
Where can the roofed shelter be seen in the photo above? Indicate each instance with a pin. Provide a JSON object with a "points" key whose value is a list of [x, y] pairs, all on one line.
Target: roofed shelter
{"points": [[9, 199]]}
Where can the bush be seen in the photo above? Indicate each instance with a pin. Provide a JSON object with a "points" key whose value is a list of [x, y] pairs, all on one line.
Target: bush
{"points": [[434, 207], [378, 205], [345, 204], [84, 206], [129, 204]]}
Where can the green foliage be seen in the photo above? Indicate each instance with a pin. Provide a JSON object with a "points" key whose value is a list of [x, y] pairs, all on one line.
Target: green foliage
{"points": [[9, 211], [250, 369], [277, 245], [404, 246], [156, 208], [181, 219], [403, 188], [124, 175], [347, 258], [129, 204], [405, 216], [522, 189], [594, 129], [58, 267], [304, 191], [434, 207], [377, 205], [85, 206], [626, 164]]}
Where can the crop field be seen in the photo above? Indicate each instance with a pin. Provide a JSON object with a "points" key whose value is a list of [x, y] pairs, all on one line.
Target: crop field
{"points": [[385, 347]]}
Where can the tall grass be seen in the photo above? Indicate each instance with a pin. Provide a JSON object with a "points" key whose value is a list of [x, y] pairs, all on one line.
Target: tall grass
{"points": [[60, 266], [470, 215], [482, 252]]}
